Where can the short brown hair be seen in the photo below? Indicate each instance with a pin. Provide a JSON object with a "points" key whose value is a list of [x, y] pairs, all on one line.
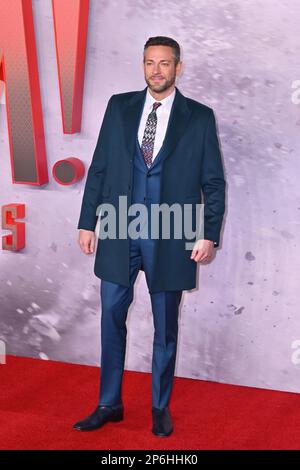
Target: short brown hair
{"points": [[165, 41]]}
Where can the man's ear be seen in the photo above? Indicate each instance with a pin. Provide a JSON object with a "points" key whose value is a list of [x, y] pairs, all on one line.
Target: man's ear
{"points": [[179, 68]]}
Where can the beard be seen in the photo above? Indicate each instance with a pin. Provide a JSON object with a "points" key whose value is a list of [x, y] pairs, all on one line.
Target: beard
{"points": [[161, 86]]}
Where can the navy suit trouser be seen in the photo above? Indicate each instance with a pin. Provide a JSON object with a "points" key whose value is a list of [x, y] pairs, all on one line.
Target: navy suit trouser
{"points": [[115, 301]]}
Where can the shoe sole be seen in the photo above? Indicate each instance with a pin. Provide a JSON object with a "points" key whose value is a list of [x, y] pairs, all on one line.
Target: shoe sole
{"points": [[93, 428], [162, 434]]}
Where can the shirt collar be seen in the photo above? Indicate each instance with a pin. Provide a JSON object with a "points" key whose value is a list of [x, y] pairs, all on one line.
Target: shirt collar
{"points": [[166, 103]]}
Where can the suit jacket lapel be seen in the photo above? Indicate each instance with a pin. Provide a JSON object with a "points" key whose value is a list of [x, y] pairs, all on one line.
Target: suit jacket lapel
{"points": [[178, 120]]}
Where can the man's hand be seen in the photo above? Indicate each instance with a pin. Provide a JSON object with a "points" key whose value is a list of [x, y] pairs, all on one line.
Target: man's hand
{"points": [[203, 251], [87, 241]]}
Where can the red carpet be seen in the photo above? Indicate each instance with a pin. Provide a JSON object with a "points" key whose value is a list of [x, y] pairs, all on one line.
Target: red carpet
{"points": [[40, 401]]}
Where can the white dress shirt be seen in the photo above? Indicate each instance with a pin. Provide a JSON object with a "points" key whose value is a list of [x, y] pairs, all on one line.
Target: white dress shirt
{"points": [[163, 114]]}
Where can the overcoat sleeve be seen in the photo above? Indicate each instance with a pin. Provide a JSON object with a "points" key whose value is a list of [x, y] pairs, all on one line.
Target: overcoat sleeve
{"points": [[212, 183], [94, 182]]}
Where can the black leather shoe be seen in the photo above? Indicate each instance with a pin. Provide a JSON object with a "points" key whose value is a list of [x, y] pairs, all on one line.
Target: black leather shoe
{"points": [[162, 423], [99, 417]]}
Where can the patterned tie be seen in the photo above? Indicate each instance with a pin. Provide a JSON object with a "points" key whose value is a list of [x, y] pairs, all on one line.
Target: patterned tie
{"points": [[149, 135]]}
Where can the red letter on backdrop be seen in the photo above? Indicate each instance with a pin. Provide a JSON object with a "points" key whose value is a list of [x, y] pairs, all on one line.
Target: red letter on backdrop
{"points": [[19, 71], [71, 25], [16, 240]]}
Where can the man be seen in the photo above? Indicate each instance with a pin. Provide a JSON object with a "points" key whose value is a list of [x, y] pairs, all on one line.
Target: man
{"points": [[155, 146]]}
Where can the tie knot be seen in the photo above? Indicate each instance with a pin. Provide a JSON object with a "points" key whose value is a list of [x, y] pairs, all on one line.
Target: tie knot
{"points": [[156, 104]]}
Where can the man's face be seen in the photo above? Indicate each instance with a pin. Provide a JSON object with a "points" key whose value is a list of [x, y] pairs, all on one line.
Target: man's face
{"points": [[159, 68]]}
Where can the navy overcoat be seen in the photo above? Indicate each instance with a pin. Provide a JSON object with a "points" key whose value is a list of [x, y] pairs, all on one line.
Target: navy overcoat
{"points": [[192, 172]]}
